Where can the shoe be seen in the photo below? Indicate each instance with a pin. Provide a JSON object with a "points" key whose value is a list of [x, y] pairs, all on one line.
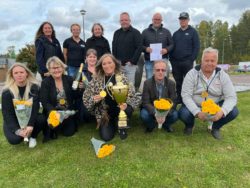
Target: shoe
{"points": [[169, 129], [32, 142], [123, 134], [216, 133], [188, 131], [148, 130]]}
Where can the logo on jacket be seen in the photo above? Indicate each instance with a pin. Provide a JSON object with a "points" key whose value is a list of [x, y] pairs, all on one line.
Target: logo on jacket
{"points": [[186, 33]]}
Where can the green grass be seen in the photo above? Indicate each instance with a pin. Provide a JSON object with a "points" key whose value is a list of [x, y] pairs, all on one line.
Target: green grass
{"points": [[143, 160]]}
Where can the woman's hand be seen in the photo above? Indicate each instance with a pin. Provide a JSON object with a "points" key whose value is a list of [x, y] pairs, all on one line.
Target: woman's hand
{"points": [[123, 106], [28, 130], [97, 98]]}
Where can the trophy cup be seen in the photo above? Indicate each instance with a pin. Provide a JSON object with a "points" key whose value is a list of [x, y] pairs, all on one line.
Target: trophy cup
{"points": [[119, 94]]}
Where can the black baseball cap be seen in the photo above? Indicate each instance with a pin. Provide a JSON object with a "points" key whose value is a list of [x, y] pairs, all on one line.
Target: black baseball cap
{"points": [[184, 15]]}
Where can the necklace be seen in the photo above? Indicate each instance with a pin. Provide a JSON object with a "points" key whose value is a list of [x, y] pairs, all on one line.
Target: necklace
{"points": [[103, 93]]}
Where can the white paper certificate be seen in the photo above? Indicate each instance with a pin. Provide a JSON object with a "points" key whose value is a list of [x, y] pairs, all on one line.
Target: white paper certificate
{"points": [[156, 51]]}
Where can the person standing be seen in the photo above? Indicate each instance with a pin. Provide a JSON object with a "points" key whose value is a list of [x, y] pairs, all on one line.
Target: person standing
{"points": [[46, 46], [185, 52], [156, 33], [98, 41], [74, 50], [127, 46], [156, 87]]}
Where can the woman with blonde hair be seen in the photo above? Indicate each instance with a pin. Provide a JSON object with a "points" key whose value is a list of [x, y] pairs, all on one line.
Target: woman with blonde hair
{"points": [[20, 87], [57, 94], [105, 108]]}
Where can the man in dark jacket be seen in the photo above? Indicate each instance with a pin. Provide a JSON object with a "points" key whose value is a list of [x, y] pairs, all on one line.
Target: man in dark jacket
{"points": [[127, 46], [186, 49], [157, 87], [156, 33]]}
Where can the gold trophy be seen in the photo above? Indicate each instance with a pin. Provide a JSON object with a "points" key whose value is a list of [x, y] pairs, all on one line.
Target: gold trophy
{"points": [[119, 94]]}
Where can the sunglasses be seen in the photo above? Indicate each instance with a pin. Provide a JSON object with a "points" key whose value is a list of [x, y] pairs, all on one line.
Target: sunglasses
{"points": [[160, 70]]}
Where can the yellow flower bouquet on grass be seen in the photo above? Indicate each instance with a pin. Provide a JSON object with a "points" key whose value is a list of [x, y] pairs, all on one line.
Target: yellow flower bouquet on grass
{"points": [[101, 148], [162, 107], [57, 117]]}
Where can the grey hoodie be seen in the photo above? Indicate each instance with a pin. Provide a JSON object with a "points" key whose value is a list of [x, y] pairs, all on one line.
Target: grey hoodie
{"points": [[221, 88]]}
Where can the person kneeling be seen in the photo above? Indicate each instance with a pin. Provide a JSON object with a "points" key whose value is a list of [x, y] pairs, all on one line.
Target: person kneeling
{"points": [[158, 87], [99, 99], [20, 106], [207, 81]]}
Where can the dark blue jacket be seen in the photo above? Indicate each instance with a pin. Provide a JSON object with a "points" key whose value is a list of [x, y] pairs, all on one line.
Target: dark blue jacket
{"points": [[186, 45], [46, 49]]}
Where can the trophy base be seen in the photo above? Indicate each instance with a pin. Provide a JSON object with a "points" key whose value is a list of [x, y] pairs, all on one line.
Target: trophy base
{"points": [[122, 124]]}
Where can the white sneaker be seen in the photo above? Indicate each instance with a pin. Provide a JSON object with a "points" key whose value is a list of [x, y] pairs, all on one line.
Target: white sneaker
{"points": [[32, 142]]}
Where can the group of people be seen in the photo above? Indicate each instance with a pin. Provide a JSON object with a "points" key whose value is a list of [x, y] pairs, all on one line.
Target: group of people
{"points": [[93, 97]]}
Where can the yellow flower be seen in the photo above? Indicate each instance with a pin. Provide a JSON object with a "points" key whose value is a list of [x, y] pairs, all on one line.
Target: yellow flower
{"points": [[163, 104], [105, 150], [210, 107], [22, 102], [54, 118]]}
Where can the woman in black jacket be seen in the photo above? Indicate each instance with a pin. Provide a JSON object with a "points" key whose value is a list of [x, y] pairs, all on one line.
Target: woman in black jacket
{"points": [[97, 41], [21, 96], [57, 94]]}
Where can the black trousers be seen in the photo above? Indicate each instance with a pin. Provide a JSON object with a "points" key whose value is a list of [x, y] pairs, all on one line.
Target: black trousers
{"points": [[67, 127], [179, 70], [14, 139], [107, 132]]}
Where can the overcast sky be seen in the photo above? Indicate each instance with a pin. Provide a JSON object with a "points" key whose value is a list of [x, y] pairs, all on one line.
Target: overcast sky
{"points": [[20, 19]]}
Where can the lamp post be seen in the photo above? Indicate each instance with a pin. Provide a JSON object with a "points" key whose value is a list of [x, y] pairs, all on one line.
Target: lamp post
{"points": [[223, 50], [83, 12]]}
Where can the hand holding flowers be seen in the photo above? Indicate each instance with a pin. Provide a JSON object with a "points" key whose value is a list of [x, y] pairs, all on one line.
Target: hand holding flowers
{"points": [[57, 117], [162, 107], [212, 111]]}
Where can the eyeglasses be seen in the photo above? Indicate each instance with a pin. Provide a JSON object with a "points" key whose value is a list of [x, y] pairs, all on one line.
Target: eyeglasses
{"points": [[55, 68], [160, 70]]}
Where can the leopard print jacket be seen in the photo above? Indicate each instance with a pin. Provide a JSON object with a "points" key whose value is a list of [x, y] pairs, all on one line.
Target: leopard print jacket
{"points": [[95, 86]]}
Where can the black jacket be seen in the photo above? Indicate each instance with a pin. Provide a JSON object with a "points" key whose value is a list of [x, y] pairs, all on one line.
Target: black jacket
{"points": [[100, 44], [46, 49], [127, 45], [8, 111], [48, 94], [150, 93]]}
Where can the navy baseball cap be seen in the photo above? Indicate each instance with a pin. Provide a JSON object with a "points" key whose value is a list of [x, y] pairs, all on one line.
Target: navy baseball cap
{"points": [[184, 15]]}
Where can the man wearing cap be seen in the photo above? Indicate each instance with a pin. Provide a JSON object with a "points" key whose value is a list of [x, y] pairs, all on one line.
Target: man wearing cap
{"points": [[186, 49]]}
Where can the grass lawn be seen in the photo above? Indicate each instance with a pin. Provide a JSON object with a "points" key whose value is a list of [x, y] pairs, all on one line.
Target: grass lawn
{"points": [[157, 160]]}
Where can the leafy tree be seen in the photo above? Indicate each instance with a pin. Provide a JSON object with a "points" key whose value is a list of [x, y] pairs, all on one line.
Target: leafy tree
{"points": [[27, 55], [11, 52]]}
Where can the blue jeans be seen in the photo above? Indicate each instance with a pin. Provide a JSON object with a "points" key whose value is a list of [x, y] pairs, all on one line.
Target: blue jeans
{"points": [[149, 66], [72, 71], [188, 118], [150, 122], [129, 71]]}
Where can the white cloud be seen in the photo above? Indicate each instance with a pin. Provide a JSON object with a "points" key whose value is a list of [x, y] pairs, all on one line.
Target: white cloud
{"points": [[21, 19], [15, 36]]}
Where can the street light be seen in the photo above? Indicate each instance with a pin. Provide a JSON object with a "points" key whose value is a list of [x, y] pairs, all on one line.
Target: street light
{"points": [[223, 49], [83, 12]]}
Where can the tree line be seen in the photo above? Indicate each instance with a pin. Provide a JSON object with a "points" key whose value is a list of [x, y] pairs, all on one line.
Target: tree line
{"points": [[232, 42]]}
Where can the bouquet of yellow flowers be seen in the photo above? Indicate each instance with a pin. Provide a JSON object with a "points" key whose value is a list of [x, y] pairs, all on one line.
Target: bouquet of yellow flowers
{"points": [[162, 107], [210, 107], [101, 149], [23, 109], [57, 117]]}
